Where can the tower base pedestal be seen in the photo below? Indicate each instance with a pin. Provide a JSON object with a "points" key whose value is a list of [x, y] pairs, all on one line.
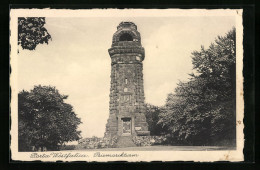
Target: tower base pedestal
{"points": [[120, 125]]}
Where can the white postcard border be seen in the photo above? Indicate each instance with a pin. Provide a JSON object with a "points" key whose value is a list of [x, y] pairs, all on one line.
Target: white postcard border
{"points": [[131, 156]]}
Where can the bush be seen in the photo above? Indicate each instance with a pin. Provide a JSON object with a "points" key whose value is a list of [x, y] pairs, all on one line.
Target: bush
{"points": [[149, 140], [68, 147], [152, 117], [97, 143]]}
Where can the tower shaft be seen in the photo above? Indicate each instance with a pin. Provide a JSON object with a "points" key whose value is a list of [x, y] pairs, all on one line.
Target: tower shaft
{"points": [[126, 106]]}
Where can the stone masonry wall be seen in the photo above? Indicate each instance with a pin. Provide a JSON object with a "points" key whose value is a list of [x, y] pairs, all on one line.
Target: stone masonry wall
{"points": [[126, 86]]}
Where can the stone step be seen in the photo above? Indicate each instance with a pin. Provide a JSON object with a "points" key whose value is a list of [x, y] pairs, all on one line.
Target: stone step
{"points": [[125, 141]]}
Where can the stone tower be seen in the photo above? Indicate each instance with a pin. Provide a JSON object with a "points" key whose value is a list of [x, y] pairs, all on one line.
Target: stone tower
{"points": [[126, 106]]}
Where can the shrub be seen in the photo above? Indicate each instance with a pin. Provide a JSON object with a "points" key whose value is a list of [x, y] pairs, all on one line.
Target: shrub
{"points": [[97, 143], [68, 147], [149, 140]]}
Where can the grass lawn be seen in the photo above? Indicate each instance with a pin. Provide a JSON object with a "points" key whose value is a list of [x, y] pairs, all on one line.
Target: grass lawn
{"points": [[164, 148]]}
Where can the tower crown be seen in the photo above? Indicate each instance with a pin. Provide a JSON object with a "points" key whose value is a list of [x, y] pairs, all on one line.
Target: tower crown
{"points": [[127, 32], [126, 25], [126, 40]]}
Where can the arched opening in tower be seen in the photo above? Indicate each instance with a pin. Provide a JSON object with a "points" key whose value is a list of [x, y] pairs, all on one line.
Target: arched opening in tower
{"points": [[126, 37]]}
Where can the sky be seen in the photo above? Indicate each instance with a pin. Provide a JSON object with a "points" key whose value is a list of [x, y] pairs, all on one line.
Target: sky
{"points": [[77, 62]]}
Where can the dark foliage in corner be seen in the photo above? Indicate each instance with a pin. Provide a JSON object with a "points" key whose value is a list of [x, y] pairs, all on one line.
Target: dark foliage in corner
{"points": [[31, 32]]}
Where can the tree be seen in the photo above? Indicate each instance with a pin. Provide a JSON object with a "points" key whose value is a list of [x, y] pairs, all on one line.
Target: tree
{"points": [[45, 120], [31, 32], [202, 110], [152, 116]]}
